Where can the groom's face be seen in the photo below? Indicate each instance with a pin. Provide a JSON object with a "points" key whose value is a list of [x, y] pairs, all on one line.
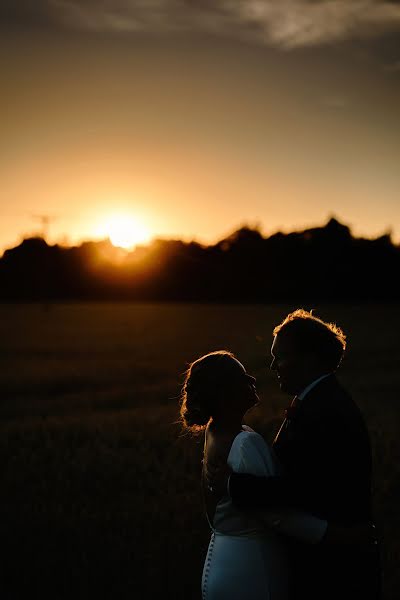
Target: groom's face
{"points": [[289, 365]]}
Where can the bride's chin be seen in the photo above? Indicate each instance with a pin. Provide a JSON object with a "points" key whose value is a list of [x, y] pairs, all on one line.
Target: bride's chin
{"points": [[254, 402]]}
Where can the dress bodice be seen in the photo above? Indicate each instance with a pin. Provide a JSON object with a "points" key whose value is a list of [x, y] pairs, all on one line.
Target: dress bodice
{"points": [[249, 453]]}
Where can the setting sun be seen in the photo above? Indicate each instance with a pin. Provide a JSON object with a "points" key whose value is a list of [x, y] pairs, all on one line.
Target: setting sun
{"points": [[124, 231]]}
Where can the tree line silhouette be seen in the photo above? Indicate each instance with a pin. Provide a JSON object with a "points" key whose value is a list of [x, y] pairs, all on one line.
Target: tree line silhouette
{"points": [[324, 264]]}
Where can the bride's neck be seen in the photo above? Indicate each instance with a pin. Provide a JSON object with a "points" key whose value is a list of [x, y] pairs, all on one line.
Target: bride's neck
{"points": [[226, 425]]}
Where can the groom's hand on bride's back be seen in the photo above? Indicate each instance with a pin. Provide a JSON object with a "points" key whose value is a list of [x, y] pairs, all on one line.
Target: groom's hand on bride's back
{"points": [[216, 478], [252, 491], [247, 491]]}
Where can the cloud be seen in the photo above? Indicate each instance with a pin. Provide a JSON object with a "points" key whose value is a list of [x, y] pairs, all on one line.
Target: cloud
{"points": [[296, 23], [393, 67], [336, 101], [282, 23]]}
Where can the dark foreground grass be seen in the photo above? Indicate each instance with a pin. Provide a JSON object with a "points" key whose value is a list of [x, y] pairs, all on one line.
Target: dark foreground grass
{"points": [[100, 494]]}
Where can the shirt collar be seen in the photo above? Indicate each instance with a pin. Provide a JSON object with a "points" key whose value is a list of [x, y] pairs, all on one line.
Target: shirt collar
{"points": [[311, 386]]}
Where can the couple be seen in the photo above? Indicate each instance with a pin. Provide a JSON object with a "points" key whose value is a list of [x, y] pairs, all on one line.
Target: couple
{"points": [[292, 521]]}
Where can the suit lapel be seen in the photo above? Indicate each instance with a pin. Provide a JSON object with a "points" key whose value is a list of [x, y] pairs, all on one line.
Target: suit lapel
{"points": [[287, 430]]}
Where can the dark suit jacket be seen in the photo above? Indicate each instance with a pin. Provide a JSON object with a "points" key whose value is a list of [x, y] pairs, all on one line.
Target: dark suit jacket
{"points": [[326, 457]]}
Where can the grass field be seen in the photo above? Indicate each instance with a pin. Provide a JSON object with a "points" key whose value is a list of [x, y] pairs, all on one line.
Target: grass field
{"points": [[100, 493]]}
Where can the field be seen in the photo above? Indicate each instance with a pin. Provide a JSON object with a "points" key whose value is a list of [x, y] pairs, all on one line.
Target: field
{"points": [[100, 495]]}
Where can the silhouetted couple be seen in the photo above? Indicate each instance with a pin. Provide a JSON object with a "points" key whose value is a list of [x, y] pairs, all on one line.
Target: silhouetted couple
{"points": [[292, 521]]}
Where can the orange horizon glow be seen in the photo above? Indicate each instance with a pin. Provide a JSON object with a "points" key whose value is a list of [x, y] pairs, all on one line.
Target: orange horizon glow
{"points": [[124, 230], [246, 135]]}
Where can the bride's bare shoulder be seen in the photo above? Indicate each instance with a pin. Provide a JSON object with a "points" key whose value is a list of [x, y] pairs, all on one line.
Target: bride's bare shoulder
{"points": [[217, 443]]}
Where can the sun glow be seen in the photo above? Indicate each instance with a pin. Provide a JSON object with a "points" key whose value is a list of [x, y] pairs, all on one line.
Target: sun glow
{"points": [[124, 231]]}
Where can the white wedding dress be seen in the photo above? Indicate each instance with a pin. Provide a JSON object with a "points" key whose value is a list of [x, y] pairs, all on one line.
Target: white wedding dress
{"points": [[246, 558]]}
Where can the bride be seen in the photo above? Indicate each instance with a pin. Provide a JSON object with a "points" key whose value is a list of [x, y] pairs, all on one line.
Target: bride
{"points": [[246, 556]]}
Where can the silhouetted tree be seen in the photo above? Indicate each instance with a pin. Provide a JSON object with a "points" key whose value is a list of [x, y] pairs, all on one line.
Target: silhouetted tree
{"points": [[318, 264]]}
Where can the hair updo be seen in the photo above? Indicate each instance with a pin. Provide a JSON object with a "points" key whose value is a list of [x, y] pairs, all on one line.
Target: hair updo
{"points": [[206, 380]]}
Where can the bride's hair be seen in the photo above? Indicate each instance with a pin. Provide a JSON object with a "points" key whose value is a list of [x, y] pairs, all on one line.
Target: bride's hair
{"points": [[206, 380]]}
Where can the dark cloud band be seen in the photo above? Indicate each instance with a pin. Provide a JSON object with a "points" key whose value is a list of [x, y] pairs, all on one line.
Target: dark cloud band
{"points": [[289, 24]]}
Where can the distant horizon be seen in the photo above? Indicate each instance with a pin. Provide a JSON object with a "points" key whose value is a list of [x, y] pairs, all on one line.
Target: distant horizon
{"points": [[188, 239]]}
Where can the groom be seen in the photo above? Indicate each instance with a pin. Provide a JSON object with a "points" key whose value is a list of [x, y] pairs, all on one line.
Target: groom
{"points": [[323, 446]]}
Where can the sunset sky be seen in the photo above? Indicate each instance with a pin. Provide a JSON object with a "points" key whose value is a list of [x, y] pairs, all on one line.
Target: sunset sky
{"points": [[194, 117]]}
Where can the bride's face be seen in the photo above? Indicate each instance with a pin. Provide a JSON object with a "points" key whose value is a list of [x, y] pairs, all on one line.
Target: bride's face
{"points": [[245, 391]]}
